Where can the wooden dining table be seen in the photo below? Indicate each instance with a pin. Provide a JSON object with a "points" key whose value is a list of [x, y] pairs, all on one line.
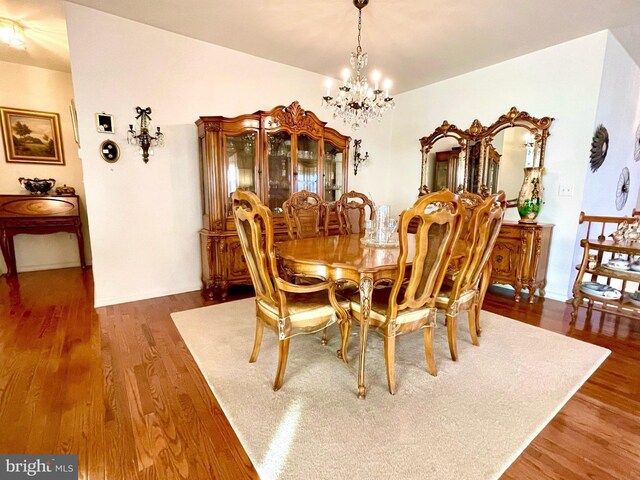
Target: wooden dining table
{"points": [[344, 258]]}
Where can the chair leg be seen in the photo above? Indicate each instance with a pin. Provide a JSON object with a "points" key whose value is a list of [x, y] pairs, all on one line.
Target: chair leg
{"points": [[258, 340], [473, 324], [325, 338], [345, 331], [428, 350], [283, 354], [389, 360], [478, 329], [451, 334]]}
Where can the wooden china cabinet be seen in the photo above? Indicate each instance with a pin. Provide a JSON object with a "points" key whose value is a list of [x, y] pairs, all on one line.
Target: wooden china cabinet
{"points": [[274, 154]]}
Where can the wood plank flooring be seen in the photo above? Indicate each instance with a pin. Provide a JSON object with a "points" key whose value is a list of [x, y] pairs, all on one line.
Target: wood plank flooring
{"points": [[118, 386]]}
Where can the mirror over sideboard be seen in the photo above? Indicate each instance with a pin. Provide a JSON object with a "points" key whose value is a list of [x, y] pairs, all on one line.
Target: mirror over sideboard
{"points": [[507, 155], [483, 159]]}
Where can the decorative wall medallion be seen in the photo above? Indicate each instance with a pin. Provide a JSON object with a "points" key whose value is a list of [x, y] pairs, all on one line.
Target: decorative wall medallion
{"points": [[622, 192], [636, 153], [599, 147], [110, 151], [105, 123]]}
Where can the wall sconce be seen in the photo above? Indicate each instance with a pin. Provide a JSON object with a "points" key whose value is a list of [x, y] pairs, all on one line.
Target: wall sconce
{"points": [[357, 158], [12, 33], [142, 138]]}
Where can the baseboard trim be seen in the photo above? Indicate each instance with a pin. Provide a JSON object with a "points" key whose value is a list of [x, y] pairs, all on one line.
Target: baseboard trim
{"points": [[107, 301]]}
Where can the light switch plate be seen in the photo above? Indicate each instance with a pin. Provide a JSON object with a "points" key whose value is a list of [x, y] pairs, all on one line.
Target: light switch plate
{"points": [[565, 190]]}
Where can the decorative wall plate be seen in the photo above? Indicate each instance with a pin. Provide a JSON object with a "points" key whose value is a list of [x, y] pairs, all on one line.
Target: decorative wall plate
{"points": [[636, 153], [599, 147], [622, 192], [110, 151]]}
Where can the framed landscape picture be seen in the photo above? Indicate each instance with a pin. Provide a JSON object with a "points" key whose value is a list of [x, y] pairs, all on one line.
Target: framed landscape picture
{"points": [[31, 137]]}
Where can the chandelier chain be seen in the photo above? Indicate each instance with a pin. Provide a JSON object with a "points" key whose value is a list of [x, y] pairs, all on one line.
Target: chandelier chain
{"points": [[359, 49]]}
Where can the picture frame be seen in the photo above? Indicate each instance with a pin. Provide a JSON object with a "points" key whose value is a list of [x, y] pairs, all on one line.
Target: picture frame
{"points": [[31, 136], [74, 121], [104, 123]]}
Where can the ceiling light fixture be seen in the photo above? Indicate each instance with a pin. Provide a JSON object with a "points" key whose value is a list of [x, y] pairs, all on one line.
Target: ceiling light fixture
{"points": [[357, 102], [12, 33]]}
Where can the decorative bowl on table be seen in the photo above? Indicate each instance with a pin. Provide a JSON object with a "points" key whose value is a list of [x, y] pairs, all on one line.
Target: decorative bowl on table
{"points": [[64, 190], [634, 298], [37, 186], [600, 290]]}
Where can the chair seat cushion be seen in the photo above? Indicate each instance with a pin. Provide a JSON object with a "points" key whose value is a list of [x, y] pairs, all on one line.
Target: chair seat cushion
{"points": [[305, 309], [444, 296], [380, 304]]}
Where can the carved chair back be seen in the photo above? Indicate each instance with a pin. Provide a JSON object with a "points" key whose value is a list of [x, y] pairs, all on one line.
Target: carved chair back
{"points": [[306, 215], [470, 202], [254, 224], [351, 210], [439, 219], [484, 227]]}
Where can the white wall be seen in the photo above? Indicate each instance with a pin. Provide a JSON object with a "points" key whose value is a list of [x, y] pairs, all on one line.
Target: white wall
{"points": [[144, 219], [562, 81], [619, 111], [33, 88]]}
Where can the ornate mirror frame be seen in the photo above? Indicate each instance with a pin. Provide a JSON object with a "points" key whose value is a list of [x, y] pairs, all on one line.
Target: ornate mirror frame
{"points": [[538, 127], [445, 130]]}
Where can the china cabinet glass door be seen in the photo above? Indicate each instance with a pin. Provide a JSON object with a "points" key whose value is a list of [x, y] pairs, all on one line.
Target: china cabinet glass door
{"points": [[307, 178], [279, 161], [241, 162], [333, 181]]}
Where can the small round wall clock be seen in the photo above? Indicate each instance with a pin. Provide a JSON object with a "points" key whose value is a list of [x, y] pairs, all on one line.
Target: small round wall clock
{"points": [[622, 191], [109, 151], [599, 147]]}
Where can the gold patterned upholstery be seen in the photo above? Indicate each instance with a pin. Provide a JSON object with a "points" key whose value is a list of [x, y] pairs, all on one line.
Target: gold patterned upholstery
{"points": [[285, 308], [306, 215], [351, 210], [471, 281], [407, 307]]}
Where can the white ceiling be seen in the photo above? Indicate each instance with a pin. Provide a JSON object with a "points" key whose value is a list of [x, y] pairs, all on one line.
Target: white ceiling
{"points": [[414, 42]]}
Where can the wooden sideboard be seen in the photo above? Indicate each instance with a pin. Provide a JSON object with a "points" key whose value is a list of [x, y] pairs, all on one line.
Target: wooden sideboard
{"points": [[37, 215], [520, 257]]}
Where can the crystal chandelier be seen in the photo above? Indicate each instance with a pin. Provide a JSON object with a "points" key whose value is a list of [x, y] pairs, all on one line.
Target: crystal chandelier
{"points": [[12, 33], [357, 102]]}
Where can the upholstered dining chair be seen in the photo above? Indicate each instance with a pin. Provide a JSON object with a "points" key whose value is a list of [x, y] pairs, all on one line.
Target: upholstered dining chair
{"points": [[470, 283], [351, 210], [407, 307], [306, 215], [285, 308]]}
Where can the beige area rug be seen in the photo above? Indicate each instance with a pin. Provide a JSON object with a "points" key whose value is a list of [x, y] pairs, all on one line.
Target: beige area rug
{"points": [[470, 422]]}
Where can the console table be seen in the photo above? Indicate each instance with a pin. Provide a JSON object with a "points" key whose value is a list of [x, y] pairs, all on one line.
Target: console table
{"points": [[37, 215]]}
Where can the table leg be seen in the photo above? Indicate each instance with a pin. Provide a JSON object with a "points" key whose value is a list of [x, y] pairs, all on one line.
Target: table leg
{"points": [[8, 251], [80, 238], [366, 287]]}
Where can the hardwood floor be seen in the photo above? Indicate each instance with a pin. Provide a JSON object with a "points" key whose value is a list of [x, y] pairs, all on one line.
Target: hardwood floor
{"points": [[118, 386]]}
